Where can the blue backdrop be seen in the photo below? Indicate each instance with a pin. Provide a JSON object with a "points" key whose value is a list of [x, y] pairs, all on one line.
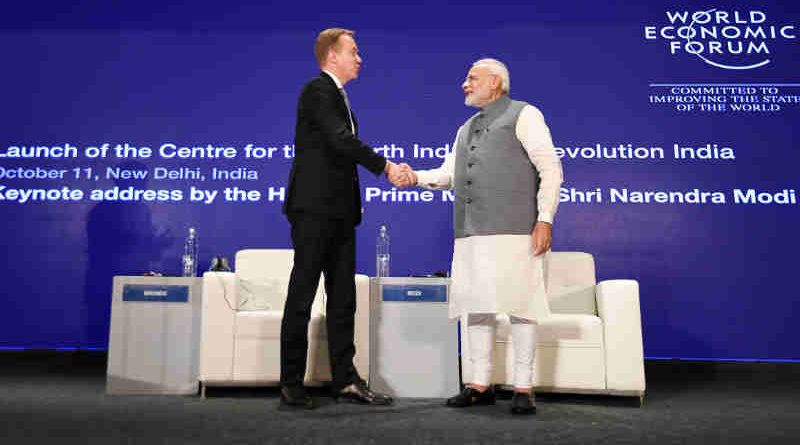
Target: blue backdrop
{"points": [[710, 234]]}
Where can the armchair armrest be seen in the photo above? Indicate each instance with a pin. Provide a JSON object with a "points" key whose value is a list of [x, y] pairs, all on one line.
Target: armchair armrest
{"points": [[217, 326], [361, 340], [618, 307]]}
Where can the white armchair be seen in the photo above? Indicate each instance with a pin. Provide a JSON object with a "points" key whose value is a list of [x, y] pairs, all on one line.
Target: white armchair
{"points": [[241, 323], [591, 344]]}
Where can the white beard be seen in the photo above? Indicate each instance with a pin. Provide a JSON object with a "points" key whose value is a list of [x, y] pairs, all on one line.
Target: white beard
{"points": [[475, 99]]}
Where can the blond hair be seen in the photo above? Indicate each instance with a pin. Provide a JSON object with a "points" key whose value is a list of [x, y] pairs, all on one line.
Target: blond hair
{"points": [[327, 40]]}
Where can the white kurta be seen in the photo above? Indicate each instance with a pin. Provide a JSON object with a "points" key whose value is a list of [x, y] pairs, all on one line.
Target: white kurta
{"points": [[498, 273]]}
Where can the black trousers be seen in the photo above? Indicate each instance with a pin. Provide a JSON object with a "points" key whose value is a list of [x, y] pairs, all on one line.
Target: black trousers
{"points": [[321, 245]]}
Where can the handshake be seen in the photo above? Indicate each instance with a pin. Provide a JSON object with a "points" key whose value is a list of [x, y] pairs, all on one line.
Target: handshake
{"points": [[400, 175]]}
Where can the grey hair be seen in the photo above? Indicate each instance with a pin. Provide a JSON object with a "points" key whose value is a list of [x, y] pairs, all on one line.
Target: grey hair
{"points": [[499, 69]]}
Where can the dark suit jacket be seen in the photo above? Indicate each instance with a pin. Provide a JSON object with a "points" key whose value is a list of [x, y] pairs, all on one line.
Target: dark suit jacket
{"points": [[324, 178]]}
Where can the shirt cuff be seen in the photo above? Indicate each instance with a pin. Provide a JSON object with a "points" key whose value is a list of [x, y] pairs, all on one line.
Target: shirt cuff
{"points": [[426, 179], [545, 217]]}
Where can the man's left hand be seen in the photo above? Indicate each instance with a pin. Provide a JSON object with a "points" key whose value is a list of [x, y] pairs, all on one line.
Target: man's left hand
{"points": [[541, 237]]}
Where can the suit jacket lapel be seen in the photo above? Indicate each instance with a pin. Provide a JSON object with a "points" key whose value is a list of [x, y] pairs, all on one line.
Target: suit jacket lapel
{"points": [[340, 98]]}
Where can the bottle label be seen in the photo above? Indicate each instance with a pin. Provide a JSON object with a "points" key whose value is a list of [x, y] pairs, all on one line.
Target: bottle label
{"points": [[382, 266]]}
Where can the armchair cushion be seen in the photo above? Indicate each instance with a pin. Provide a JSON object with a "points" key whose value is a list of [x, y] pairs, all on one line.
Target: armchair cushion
{"points": [[570, 281], [570, 330], [259, 324], [262, 280]]}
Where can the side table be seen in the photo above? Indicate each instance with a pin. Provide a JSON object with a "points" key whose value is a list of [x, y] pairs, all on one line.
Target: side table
{"points": [[155, 335], [413, 343]]}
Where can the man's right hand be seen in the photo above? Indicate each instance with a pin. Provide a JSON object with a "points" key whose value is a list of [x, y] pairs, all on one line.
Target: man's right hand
{"points": [[541, 237], [400, 175]]}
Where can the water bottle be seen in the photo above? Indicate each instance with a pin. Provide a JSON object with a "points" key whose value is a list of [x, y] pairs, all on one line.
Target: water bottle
{"points": [[190, 251], [382, 253]]}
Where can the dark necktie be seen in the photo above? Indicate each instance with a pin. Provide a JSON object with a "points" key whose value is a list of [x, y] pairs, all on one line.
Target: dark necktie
{"points": [[349, 114]]}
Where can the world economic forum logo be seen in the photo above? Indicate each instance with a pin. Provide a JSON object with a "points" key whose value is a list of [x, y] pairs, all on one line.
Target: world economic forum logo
{"points": [[731, 40]]}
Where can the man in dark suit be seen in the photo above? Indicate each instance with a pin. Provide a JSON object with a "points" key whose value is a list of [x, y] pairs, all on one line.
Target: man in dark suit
{"points": [[323, 205]]}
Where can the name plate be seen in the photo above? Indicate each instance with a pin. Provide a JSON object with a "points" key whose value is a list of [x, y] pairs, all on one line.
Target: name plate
{"points": [[425, 293], [178, 293]]}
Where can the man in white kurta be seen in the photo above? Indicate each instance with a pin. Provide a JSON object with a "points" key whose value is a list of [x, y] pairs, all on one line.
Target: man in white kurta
{"points": [[506, 178]]}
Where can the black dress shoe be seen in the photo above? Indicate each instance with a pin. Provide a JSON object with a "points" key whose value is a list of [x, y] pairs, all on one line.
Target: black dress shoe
{"points": [[471, 396], [358, 392], [522, 403], [295, 397]]}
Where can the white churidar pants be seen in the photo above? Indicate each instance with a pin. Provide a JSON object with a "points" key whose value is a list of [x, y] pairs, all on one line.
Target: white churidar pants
{"points": [[481, 330]]}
